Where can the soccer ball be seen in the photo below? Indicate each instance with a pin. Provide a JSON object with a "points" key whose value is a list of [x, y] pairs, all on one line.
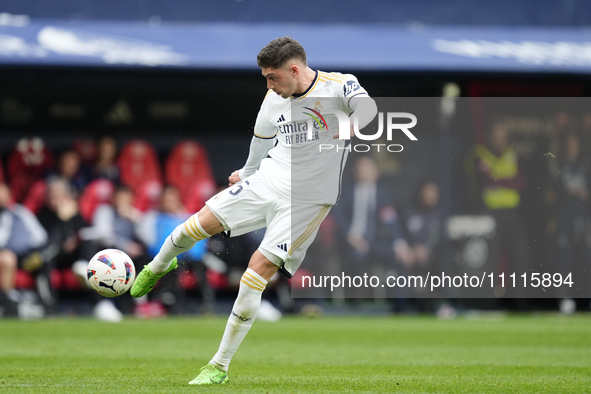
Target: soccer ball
{"points": [[111, 272]]}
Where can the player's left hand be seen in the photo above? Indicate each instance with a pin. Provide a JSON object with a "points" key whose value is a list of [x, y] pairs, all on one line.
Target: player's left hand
{"points": [[351, 133], [234, 177]]}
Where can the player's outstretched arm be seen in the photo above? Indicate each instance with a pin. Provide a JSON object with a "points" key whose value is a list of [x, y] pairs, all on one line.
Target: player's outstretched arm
{"points": [[365, 108], [258, 151]]}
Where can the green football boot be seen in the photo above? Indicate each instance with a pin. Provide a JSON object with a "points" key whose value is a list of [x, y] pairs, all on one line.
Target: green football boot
{"points": [[146, 280], [210, 374]]}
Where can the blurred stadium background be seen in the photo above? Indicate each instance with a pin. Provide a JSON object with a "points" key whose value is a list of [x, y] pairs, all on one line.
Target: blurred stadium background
{"points": [[174, 84]]}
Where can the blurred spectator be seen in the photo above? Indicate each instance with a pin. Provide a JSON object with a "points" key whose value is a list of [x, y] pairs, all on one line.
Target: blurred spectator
{"points": [[153, 229], [586, 134], [20, 237], [65, 249], [424, 232], [104, 167], [61, 219], [29, 161], [68, 169], [113, 225], [366, 217], [573, 229], [561, 124], [424, 224], [500, 183]]}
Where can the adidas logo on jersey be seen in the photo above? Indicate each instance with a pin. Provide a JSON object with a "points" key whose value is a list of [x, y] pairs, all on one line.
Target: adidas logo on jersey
{"points": [[281, 119], [283, 247]]}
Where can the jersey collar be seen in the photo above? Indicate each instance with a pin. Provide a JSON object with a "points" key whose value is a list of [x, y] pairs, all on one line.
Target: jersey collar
{"points": [[310, 88]]}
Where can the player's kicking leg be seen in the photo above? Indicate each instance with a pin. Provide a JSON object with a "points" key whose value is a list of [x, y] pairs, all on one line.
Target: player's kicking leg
{"points": [[198, 227], [253, 282], [244, 312]]}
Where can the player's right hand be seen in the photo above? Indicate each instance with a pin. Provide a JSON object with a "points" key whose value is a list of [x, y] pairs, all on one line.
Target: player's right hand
{"points": [[234, 177]]}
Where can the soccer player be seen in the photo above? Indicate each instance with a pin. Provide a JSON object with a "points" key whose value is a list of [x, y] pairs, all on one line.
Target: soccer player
{"points": [[261, 193]]}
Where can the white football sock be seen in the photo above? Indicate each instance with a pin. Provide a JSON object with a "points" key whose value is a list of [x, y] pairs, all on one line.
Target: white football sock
{"points": [[183, 238], [243, 314]]}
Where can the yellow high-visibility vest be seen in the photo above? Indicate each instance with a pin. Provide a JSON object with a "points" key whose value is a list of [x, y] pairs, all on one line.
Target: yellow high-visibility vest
{"points": [[502, 167]]}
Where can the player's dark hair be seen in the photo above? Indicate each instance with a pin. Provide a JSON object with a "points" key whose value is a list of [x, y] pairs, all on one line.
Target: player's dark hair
{"points": [[279, 51]]}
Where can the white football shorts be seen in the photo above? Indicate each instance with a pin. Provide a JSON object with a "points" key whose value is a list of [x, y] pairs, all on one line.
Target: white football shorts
{"points": [[249, 205]]}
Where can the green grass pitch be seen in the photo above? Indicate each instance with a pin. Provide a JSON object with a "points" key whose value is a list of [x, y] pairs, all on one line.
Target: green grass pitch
{"points": [[518, 354]]}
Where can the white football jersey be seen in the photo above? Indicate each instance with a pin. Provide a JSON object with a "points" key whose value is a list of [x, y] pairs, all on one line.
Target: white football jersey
{"points": [[296, 169]]}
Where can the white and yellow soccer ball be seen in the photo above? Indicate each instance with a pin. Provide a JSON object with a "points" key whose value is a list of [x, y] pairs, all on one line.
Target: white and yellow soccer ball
{"points": [[111, 273]]}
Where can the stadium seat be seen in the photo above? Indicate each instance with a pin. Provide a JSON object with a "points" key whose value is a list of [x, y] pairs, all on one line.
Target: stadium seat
{"points": [[69, 281], [24, 280], [1, 172], [197, 193], [96, 193], [138, 163], [217, 281], [64, 279], [86, 149], [27, 163], [188, 280], [187, 168], [35, 198], [147, 195], [60, 279]]}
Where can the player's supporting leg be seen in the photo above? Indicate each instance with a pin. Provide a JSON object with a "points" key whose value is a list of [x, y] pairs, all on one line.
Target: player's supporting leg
{"points": [[183, 238], [198, 227], [244, 312]]}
